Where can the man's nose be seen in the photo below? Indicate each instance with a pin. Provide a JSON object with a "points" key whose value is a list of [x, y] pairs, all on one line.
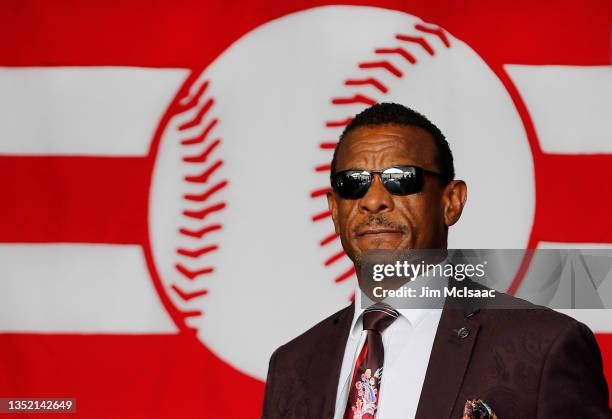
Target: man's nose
{"points": [[377, 199]]}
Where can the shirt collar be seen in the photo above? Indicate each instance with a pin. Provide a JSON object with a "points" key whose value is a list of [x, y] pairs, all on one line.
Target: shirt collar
{"points": [[413, 315]]}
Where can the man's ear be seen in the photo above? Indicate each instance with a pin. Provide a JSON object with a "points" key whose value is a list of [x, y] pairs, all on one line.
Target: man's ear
{"points": [[332, 203], [453, 201]]}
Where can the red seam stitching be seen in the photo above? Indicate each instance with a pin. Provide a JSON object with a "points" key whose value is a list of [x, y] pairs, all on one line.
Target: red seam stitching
{"points": [[370, 80], [196, 253], [398, 51], [321, 216], [346, 275], [327, 240], [359, 98], [198, 118], [192, 274], [334, 258], [417, 40], [434, 31], [202, 137], [203, 177], [328, 145], [194, 100], [186, 296], [206, 194], [192, 313], [336, 124], [198, 234], [204, 212], [355, 99], [384, 64], [320, 192], [201, 158]]}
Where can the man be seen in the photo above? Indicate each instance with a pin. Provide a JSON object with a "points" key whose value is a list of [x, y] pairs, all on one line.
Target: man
{"points": [[394, 188]]}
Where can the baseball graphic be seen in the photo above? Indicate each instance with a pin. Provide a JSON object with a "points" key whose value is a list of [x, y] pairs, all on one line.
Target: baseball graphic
{"points": [[241, 235]]}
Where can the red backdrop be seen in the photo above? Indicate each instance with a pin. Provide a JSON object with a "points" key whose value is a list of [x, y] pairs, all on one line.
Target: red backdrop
{"points": [[47, 199]]}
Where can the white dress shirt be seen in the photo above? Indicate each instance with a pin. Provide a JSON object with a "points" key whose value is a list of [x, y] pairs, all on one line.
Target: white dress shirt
{"points": [[407, 343]]}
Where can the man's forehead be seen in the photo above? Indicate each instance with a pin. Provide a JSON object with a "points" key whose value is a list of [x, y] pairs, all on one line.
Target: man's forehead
{"points": [[393, 144]]}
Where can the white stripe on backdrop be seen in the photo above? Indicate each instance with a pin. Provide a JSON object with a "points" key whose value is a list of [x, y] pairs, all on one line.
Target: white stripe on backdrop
{"points": [[78, 288], [83, 110], [570, 106]]}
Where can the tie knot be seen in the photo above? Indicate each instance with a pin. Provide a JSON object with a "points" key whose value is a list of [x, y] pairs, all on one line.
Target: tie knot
{"points": [[378, 317]]}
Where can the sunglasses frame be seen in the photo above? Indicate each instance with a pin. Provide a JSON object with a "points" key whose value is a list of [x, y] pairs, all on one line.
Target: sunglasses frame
{"points": [[419, 174]]}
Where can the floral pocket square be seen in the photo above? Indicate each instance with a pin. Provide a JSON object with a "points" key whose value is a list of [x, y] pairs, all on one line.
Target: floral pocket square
{"points": [[478, 409]]}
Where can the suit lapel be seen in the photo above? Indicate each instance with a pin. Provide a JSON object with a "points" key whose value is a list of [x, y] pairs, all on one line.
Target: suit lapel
{"points": [[324, 369], [449, 359]]}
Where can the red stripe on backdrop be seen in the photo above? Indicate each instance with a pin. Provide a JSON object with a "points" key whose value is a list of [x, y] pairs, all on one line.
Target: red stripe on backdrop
{"points": [[191, 33], [112, 376], [104, 199], [74, 199], [138, 376], [573, 203]]}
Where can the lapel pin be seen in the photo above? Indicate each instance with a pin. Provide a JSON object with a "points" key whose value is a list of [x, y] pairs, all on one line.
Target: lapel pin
{"points": [[462, 333]]}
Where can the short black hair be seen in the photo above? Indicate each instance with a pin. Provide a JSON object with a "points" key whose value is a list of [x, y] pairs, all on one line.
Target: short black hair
{"points": [[396, 114]]}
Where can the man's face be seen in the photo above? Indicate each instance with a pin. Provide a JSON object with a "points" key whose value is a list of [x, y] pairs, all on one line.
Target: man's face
{"points": [[381, 220]]}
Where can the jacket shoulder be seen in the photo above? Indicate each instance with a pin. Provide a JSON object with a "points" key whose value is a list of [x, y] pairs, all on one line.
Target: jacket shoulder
{"points": [[328, 328], [510, 312], [516, 312]]}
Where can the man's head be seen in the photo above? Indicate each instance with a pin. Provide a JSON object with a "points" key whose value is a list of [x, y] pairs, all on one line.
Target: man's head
{"points": [[380, 137]]}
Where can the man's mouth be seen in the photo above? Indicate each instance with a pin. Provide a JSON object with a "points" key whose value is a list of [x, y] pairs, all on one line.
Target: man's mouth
{"points": [[375, 231]]}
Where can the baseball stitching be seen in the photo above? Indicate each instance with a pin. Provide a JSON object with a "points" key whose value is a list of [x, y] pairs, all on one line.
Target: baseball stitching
{"points": [[206, 166], [378, 89]]}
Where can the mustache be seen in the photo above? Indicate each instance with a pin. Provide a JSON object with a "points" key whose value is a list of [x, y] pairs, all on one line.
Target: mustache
{"points": [[379, 221]]}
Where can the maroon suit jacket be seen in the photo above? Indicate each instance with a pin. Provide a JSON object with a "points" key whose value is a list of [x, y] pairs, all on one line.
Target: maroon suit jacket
{"points": [[526, 362]]}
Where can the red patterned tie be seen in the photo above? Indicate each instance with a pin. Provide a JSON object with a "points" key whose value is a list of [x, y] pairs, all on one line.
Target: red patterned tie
{"points": [[367, 374]]}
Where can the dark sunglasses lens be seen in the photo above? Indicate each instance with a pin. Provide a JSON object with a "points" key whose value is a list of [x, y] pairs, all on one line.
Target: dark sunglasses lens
{"points": [[403, 180], [352, 184]]}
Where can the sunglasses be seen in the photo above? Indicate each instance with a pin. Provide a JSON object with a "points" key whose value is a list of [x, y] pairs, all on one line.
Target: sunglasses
{"points": [[398, 180]]}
